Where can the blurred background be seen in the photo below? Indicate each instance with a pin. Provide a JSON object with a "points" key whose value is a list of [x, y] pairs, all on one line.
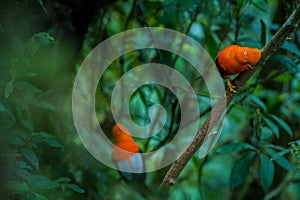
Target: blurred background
{"points": [[42, 45]]}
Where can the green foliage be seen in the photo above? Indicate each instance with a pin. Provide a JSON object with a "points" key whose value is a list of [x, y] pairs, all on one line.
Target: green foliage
{"points": [[24, 176], [257, 155], [240, 170], [266, 171]]}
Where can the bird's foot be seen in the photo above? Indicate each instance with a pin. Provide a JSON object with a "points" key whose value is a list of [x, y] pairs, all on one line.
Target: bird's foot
{"points": [[231, 87]]}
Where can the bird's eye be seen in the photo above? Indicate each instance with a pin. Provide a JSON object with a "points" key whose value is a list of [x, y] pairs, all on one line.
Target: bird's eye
{"points": [[245, 53]]}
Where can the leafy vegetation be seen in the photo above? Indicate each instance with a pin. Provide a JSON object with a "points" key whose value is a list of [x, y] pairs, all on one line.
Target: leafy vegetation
{"points": [[43, 44]]}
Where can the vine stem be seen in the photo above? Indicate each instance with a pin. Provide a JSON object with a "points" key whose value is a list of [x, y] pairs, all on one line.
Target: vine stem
{"points": [[219, 109]]}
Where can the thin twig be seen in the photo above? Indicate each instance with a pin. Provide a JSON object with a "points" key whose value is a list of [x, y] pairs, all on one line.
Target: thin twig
{"points": [[218, 110]]}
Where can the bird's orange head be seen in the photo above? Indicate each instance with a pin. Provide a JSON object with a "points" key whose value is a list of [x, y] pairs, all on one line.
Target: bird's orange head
{"points": [[246, 55]]}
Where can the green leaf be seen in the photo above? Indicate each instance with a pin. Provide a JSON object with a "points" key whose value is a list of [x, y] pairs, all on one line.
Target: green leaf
{"points": [[272, 126], [47, 138], [277, 147], [284, 62], [44, 39], [284, 77], [283, 124], [265, 134], [257, 6], [63, 180], [23, 165], [9, 87], [279, 158], [291, 47], [76, 188], [235, 147], [26, 74], [212, 42], [16, 141], [6, 117], [17, 186], [240, 170], [40, 183], [45, 105], [40, 197], [2, 108], [24, 115], [259, 102], [266, 171], [27, 87], [263, 35], [31, 157], [240, 3], [31, 47], [42, 5]]}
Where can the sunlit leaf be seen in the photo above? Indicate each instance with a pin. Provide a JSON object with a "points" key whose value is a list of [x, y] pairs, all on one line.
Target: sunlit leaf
{"points": [[284, 77]]}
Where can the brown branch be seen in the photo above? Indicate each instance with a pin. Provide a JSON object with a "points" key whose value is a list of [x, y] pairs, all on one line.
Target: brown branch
{"points": [[218, 110]]}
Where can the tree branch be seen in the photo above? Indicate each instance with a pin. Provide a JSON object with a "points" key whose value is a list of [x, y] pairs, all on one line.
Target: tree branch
{"points": [[218, 110]]}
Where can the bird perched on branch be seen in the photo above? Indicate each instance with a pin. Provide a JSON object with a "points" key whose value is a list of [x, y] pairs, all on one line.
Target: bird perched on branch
{"points": [[235, 59]]}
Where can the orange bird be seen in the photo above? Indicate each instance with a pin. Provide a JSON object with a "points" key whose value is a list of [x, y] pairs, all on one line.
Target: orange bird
{"points": [[235, 59], [129, 162]]}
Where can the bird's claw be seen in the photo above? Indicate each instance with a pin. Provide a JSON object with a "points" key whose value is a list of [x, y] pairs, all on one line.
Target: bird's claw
{"points": [[250, 66], [231, 87]]}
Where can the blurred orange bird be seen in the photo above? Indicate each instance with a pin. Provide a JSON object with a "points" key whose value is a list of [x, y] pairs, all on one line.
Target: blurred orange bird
{"points": [[127, 156]]}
